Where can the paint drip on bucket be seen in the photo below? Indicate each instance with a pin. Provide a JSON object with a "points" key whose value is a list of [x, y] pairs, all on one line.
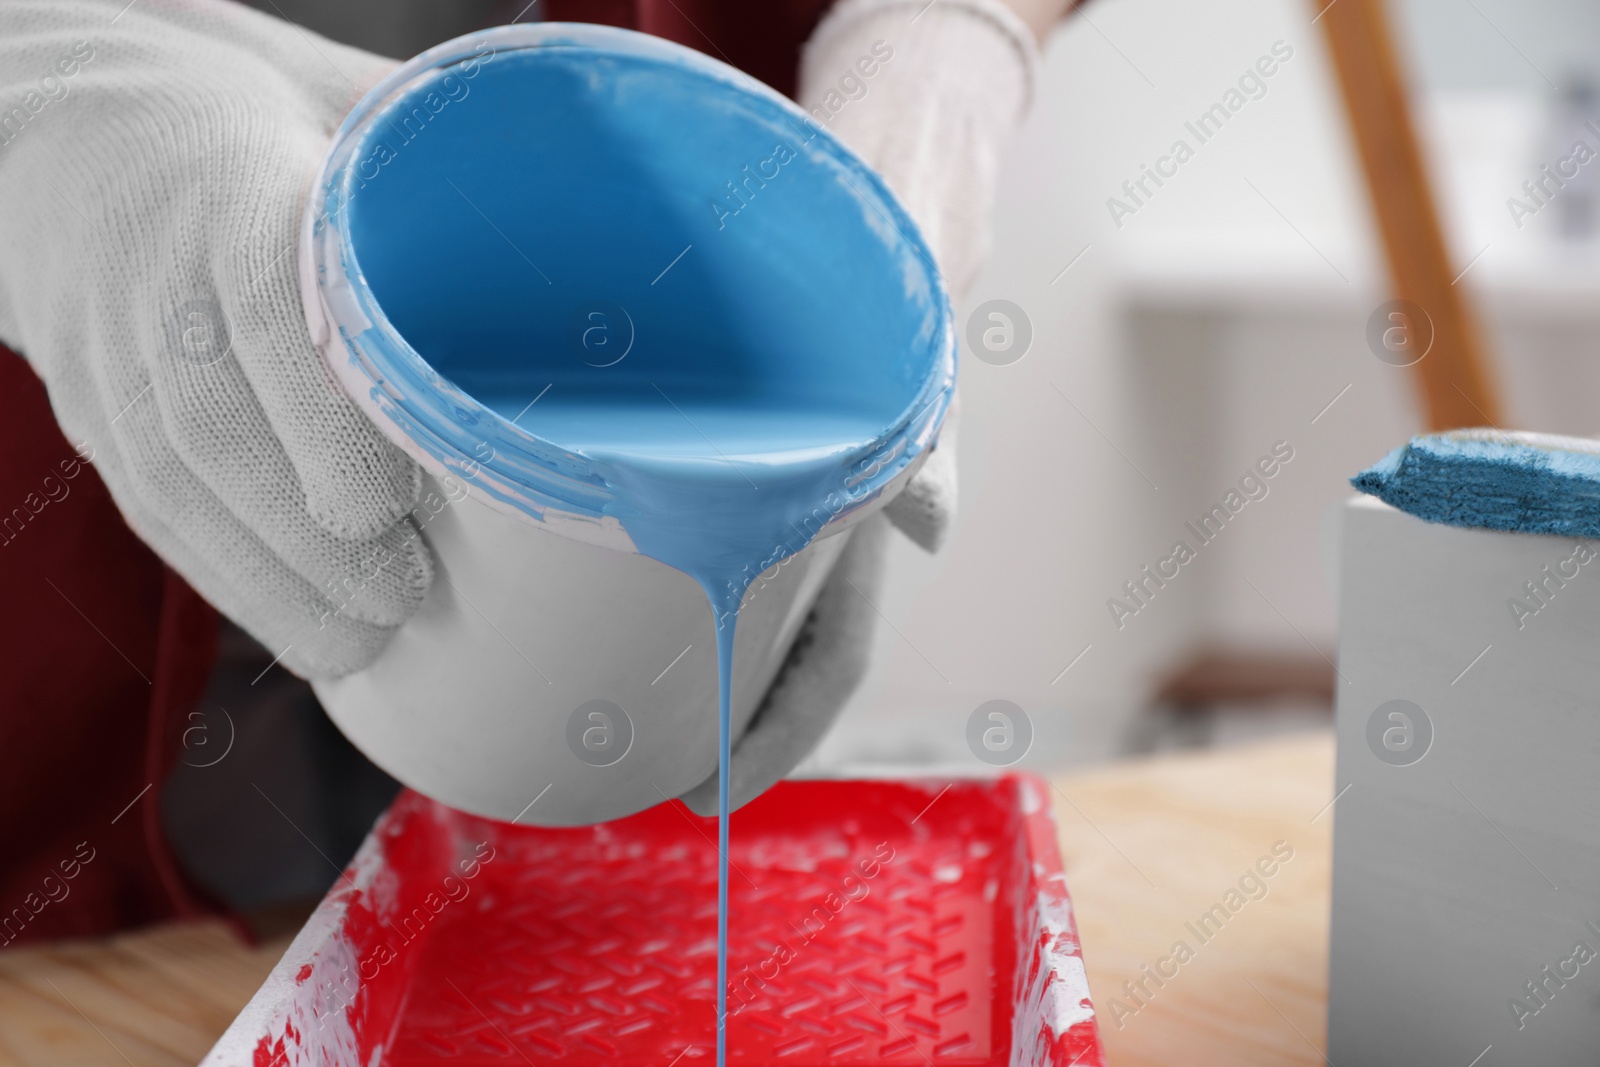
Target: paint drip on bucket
{"points": [[534, 281]]}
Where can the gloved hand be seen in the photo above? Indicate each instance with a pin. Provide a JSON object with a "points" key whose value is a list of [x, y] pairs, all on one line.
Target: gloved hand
{"points": [[928, 94], [154, 158]]}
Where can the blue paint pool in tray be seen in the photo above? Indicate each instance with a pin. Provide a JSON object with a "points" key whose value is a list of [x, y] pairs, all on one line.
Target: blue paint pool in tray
{"points": [[664, 287]]}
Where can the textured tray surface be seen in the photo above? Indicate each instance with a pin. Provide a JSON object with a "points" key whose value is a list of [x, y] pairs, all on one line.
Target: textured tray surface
{"points": [[594, 947], [870, 922]]}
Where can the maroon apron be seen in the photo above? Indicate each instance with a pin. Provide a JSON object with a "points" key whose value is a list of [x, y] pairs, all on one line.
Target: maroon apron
{"points": [[103, 650]]}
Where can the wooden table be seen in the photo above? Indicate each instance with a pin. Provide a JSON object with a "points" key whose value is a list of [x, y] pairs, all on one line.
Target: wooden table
{"points": [[1149, 848]]}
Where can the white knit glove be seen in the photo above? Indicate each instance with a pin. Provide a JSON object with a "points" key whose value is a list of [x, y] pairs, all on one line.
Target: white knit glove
{"points": [[928, 94], [932, 118], [154, 159]]}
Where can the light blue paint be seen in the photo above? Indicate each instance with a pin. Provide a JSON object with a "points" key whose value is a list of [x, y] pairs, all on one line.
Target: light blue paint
{"points": [[725, 628], [1489, 479], [596, 273]]}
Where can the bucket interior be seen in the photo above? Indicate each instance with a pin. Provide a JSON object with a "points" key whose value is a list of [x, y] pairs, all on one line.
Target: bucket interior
{"points": [[647, 250]]}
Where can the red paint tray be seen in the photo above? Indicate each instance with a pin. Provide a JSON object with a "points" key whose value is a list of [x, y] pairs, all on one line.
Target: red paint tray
{"points": [[870, 922]]}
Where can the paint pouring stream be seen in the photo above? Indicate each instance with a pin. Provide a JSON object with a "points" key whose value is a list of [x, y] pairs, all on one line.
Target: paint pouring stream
{"points": [[702, 514]]}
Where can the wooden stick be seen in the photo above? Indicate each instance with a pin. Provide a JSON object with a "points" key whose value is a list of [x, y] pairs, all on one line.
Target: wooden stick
{"points": [[1456, 388]]}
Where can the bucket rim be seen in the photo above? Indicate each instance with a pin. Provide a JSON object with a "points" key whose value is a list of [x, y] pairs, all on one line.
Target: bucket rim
{"points": [[456, 437]]}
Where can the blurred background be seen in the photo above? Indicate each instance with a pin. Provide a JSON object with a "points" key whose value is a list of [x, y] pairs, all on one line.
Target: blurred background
{"points": [[1173, 346], [1171, 351]]}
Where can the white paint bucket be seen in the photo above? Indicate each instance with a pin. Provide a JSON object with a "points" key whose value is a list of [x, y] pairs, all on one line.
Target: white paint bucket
{"points": [[551, 660]]}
